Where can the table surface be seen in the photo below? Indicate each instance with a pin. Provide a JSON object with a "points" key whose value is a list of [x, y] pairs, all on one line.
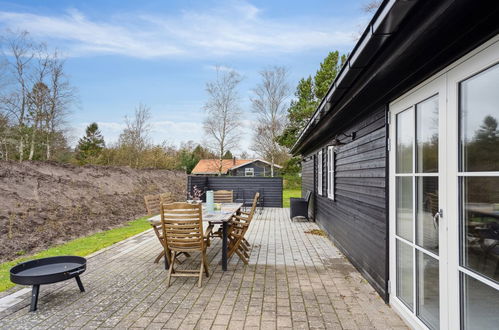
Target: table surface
{"points": [[225, 214]]}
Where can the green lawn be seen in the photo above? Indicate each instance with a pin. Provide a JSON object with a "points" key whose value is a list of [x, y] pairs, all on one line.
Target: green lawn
{"points": [[80, 247], [287, 193]]}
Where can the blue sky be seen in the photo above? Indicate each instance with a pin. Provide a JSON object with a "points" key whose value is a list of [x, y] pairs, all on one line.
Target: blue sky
{"points": [[161, 53]]}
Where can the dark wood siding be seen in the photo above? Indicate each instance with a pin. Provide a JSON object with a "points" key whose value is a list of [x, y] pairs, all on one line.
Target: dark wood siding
{"points": [[243, 187], [307, 181], [357, 219], [260, 169]]}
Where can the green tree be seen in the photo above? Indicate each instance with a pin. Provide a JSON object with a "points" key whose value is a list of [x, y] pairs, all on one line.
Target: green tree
{"points": [[228, 155], [309, 93], [90, 145], [190, 156], [299, 112], [482, 152], [328, 70]]}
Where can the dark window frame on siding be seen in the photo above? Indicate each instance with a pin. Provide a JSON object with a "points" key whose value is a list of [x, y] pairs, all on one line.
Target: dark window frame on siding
{"points": [[331, 172]]}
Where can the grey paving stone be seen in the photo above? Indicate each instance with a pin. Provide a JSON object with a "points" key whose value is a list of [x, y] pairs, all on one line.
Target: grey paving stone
{"points": [[291, 281]]}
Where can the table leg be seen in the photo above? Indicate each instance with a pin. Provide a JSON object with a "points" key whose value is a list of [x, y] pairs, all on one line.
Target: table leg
{"points": [[80, 284], [34, 297], [224, 246]]}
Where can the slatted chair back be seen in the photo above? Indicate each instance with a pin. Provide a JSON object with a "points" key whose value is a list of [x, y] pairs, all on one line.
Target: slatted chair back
{"points": [[183, 226], [153, 203], [253, 207], [239, 226], [223, 196], [166, 197]]}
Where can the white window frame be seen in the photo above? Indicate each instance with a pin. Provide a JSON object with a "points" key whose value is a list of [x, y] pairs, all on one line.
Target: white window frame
{"points": [[447, 80], [319, 172], [330, 172], [249, 170]]}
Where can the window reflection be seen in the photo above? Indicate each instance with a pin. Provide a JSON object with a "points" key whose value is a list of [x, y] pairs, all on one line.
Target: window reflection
{"points": [[405, 136], [480, 305], [405, 290], [404, 207], [481, 225], [427, 207], [428, 290], [427, 135], [479, 113]]}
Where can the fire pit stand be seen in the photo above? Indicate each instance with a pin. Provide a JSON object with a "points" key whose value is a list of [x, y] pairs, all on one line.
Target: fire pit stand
{"points": [[46, 271]]}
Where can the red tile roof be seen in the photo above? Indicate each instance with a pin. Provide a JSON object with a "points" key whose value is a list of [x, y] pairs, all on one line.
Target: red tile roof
{"points": [[211, 166]]}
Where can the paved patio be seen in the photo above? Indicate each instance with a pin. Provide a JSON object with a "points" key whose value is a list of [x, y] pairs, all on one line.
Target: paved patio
{"points": [[294, 280]]}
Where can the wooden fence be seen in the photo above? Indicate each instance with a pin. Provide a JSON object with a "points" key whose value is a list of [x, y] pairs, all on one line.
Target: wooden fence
{"points": [[244, 188]]}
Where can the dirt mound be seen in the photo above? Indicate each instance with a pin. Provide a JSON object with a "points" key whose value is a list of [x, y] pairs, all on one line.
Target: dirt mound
{"points": [[42, 203]]}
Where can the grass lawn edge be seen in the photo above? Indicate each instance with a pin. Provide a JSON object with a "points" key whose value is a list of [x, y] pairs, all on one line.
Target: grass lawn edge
{"points": [[83, 246], [287, 193]]}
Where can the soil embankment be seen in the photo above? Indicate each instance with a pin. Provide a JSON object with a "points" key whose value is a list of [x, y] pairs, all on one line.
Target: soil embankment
{"points": [[42, 204]]}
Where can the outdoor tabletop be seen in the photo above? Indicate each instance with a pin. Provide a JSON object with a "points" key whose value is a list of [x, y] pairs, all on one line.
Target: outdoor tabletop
{"points": [[222, 216], [226, 212]]}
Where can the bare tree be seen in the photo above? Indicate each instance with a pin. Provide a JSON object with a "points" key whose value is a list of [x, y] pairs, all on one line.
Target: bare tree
{"points": [[35, 96], [135, 137], [62, 95], [269, 104], [223, 114], [15, 103], [38, 97]]}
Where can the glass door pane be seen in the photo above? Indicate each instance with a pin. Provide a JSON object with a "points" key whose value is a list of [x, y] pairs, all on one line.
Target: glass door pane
{"points": [[405, 141], [479, 115], [416, 204], [480, 304], [405, 291], [426, 208], [481, 225], [427, 135], [428, 290], [404, 206]]}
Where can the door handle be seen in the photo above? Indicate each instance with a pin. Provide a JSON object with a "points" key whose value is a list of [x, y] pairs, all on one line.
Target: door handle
{"points": [[437, 217]]}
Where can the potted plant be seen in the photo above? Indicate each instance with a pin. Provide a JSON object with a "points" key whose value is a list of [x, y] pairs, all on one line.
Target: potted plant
{"points": [[196, 195]]}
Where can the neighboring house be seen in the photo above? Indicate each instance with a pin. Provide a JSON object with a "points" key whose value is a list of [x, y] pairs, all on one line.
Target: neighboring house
{"points": [[235, 167], [403, 158]]}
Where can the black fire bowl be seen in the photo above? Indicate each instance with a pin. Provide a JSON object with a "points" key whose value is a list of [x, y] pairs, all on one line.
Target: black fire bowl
{"points": [[46, 271]]}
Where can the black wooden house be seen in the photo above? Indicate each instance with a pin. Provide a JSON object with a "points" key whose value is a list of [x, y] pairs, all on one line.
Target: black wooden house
{"points": [[402, 157]]}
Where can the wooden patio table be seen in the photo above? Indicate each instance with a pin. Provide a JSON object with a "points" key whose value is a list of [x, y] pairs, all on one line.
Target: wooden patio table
{"points": [[221, 217]]}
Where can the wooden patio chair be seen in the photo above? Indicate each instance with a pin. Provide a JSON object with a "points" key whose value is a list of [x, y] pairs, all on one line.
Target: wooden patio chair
{"points": [[153, 206], [166, 198], [223, 196], [249, 215], [183, 231], [239, 226], [220, 196]]}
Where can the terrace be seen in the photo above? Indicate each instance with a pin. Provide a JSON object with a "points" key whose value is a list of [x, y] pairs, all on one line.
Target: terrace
{"points": [[294, 279]]}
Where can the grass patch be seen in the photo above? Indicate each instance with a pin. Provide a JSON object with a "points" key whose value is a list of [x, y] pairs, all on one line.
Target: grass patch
{"points": [[316, 232], [79, 247], [287, 193]]}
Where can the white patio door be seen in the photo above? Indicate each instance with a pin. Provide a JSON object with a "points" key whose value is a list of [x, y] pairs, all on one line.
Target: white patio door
{"points": [[444, 197], [417, 233]]}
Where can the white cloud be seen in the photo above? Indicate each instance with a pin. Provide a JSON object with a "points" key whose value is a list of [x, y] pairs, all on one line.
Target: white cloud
{"points": [[237, 28], [220, 67]]}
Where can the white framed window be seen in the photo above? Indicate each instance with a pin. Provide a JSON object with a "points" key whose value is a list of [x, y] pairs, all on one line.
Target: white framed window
{"points": [[250, 171], [319, 173], [330, 172]]}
